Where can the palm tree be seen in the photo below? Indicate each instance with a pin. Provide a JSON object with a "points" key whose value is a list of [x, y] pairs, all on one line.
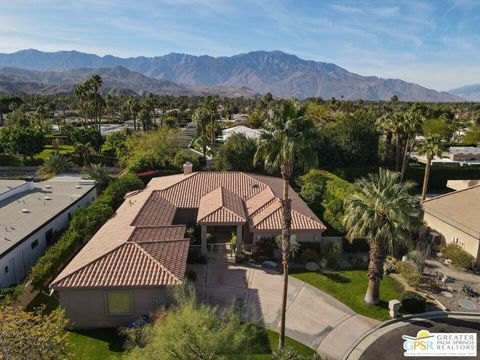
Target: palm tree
{"points": [[201, 118], [382, 211], [410, 126], [84, 152], [133, 109], [430, 148], [286, 143], [55, 164], [99, 173]]}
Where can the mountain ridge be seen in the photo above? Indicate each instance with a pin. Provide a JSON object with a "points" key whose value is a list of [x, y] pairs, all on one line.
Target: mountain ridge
{"points": [[468, 92], [282, 74]]}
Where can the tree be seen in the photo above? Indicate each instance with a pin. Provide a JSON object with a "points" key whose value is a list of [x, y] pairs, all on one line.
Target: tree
{"points": [[382, 211], [201, 117], [84, 135], [99, 173], [182, 156], [472, 136], [286, 143], [193, 330], [54, 165], [437, 127], [430, 148], [33, 335], [7, 104], [236, 154], [133, 109], [18, 117], [25, 141], [84, 152]]}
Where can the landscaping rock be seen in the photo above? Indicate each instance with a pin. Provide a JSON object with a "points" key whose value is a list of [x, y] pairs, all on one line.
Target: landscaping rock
{"points": [[404, 258], [448, 262], [447, 279], [270, 265], [311, 266], [439, 255], [447, 294], [394, 307]]}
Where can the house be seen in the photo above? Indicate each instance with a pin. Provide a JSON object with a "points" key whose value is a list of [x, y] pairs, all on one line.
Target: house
{"points": [[31, 216], [125, 270], [236, 118], [456, 156], [456, 216], [241, 129]]}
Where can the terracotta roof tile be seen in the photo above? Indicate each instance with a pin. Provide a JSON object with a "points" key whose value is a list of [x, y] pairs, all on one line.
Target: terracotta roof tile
{"points": [[156, 211], [128, 265], [221, 205], [162, 233]]}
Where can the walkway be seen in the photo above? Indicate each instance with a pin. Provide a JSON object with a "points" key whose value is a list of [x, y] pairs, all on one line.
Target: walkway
{"points": [[314, 318]]}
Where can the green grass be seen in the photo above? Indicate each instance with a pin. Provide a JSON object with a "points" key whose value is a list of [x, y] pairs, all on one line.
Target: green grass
{"points": [[268, 342], [48, 149], [349, 286], [98, 344]]}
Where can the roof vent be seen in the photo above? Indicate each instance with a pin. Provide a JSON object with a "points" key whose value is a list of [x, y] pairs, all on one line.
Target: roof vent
{"points": [[48, 186], [78, 187], [47, 198], [25, 211]]}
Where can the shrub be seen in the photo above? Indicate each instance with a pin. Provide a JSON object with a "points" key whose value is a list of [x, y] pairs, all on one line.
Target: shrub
{"points": [[413, 302], [265, 247], [191, 275], [460, 258], [333, 255], [210, 238], [309, 255], [193, 233], [83, 225], [468, 290], [409, 272]]}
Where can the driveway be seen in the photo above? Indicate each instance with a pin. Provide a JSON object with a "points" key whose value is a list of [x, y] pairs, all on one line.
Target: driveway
{"points": [[314, 318]]}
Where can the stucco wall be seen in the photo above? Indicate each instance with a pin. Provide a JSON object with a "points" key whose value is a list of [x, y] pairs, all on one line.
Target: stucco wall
{"points": [[302, 236], [466, 241], [20, 259], [86, 308]]}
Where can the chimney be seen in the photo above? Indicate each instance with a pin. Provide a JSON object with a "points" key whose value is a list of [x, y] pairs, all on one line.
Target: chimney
{"points": [[187, 168]]}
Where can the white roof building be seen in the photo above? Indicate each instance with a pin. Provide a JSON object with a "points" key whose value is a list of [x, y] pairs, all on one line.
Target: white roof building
{"points": [[248, 132]]}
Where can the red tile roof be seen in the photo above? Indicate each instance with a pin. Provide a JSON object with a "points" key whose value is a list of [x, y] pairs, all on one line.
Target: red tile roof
{"points": [[221, 206]]}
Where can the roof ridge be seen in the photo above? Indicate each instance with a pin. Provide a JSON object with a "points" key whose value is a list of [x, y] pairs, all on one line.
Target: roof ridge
{"points": [[268, 216], [157, 226], [451, 193], [57, 280], [160, 241], [157, 262]]}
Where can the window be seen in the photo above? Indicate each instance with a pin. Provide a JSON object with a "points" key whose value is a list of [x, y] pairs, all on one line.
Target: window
{"points": [[34, 244], [119, 302], [6, 269]]}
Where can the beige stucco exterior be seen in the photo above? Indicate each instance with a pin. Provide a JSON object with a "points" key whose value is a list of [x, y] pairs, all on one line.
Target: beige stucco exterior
{"points": [[469, 243], [86, 308]]}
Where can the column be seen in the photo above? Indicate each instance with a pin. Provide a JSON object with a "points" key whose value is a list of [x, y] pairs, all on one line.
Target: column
{"points": [[239, 247], [204, 238]]}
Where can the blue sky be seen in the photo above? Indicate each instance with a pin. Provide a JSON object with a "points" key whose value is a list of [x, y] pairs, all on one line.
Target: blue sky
{"points": [[433, 43]]}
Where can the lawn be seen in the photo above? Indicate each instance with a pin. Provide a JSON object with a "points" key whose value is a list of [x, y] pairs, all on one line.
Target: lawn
{"points": [[349, 286], [48, 149]]}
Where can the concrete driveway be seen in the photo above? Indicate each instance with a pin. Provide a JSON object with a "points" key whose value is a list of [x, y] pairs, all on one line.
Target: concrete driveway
{"points": [[314, 318]]}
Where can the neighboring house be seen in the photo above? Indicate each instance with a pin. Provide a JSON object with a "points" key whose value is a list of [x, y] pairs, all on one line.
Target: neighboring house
{"points": [[249, 133], [124, 271], [456, 216], [236, 118], [456, 155], [31, 215]]}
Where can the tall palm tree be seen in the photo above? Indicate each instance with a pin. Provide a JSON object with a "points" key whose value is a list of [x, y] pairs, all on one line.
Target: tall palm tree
{"points": [[133, 109], [430, 148], [201, 118], [411, 124], [381, 210], [286, 142]]}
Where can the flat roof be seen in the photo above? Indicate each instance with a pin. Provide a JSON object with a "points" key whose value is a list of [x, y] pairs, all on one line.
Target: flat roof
{"points": [[23, 213], [7, 185]]}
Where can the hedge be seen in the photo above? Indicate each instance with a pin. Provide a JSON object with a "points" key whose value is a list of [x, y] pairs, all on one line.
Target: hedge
{"points": [[83, 225], [325, 193]]}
